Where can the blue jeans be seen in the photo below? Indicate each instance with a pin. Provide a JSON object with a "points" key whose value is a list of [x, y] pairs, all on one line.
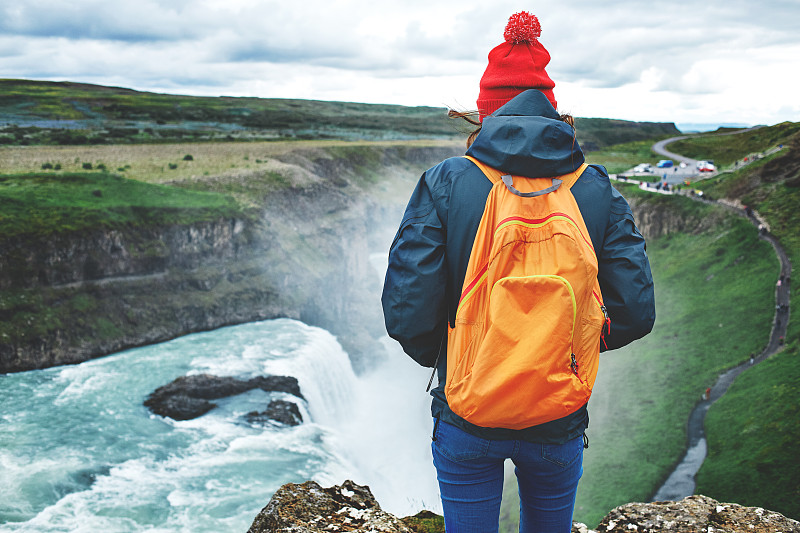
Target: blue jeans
{"points": [[470, 473]]}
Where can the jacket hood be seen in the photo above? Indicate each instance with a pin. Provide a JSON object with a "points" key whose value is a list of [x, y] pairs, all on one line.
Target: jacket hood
{"points": [[526, 137]]}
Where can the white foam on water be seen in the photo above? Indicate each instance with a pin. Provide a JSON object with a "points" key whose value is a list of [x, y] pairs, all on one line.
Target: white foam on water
{"points": [[24, 478], [211, 474], [229, 470], [115, 467]]}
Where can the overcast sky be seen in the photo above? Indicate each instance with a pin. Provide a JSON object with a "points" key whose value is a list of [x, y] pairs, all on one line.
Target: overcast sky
{"points": [[711, 61]]}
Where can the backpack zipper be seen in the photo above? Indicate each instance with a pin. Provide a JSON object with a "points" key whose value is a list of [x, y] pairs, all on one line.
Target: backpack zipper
{"points": [[574, 366], [606, 329], [603, 330]]}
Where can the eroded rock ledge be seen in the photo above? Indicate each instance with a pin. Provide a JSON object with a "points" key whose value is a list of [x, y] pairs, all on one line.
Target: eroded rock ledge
{"points": [[309, 508], [696, 514]]}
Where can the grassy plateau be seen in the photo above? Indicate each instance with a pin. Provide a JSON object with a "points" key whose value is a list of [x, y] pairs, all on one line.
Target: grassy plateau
{"points": [[40, 203], [65, 113]]}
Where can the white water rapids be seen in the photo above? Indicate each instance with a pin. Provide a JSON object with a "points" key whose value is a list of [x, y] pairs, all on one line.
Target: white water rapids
{"points": [[80, 453]]}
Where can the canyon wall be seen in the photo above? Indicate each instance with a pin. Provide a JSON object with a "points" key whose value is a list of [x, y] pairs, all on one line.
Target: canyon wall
{"points": [[302, 253]]}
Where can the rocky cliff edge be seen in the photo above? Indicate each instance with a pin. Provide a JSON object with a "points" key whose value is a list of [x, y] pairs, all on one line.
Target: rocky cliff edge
{"points": [[310, 508]]}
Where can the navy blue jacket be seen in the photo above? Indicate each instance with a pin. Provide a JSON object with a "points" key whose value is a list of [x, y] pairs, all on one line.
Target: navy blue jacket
{"points": [[428, 258]]}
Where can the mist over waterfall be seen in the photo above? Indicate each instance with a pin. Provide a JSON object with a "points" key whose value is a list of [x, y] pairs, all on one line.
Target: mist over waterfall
{"points": [[390, 435], [390, 432]]}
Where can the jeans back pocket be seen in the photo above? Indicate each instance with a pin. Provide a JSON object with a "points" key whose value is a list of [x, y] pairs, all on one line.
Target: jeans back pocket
{"points": [[563, 454], [458, 445]]}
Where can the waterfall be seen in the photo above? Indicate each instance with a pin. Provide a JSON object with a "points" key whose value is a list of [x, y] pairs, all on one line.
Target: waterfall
{"points": [[80, 452], [83, 453]]}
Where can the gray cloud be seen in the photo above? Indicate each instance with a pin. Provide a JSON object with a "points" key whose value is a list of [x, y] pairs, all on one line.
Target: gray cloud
{"points": [[670, 36], [92, 19], [324, 48], [254, 51]]}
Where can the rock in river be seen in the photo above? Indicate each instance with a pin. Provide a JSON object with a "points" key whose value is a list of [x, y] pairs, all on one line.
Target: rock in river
{"points": [[188, 397], [286, 413]]}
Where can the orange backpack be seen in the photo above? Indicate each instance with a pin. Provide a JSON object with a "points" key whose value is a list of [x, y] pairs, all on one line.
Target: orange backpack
{"points": [[526, 341]]}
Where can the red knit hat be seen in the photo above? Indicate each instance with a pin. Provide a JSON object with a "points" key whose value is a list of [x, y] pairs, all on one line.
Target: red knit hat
{"points": [[516, 65]]}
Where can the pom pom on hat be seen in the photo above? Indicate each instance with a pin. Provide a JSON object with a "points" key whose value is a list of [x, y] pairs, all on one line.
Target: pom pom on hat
{"points": [[522, 27], [515, 65]]}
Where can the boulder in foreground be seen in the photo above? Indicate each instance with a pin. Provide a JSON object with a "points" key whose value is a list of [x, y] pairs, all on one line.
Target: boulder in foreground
{"points": [[309, 508], [695, 514]]}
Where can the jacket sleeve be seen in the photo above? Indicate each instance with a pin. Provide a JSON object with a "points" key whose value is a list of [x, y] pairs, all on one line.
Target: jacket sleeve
{"points": [[415, 287], [625, 277]]}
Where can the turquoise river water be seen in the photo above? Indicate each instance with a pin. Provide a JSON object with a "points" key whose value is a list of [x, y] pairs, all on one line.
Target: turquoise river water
{"points": [[80, 453]]}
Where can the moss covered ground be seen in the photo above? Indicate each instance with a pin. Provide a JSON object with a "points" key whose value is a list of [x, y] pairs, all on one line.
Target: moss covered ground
{"points": [[40, 203]]}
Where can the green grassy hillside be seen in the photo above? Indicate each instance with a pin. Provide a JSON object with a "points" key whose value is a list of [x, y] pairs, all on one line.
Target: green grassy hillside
{"points": [[598, 133], [65, 113], [752, 431], [770, 185], [724, 148], [647, 390], [753, 435]]}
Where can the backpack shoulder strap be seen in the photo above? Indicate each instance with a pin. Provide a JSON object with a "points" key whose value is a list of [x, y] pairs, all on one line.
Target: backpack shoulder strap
{"points": [[495, 175], [570, 179], [492, 173]]}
